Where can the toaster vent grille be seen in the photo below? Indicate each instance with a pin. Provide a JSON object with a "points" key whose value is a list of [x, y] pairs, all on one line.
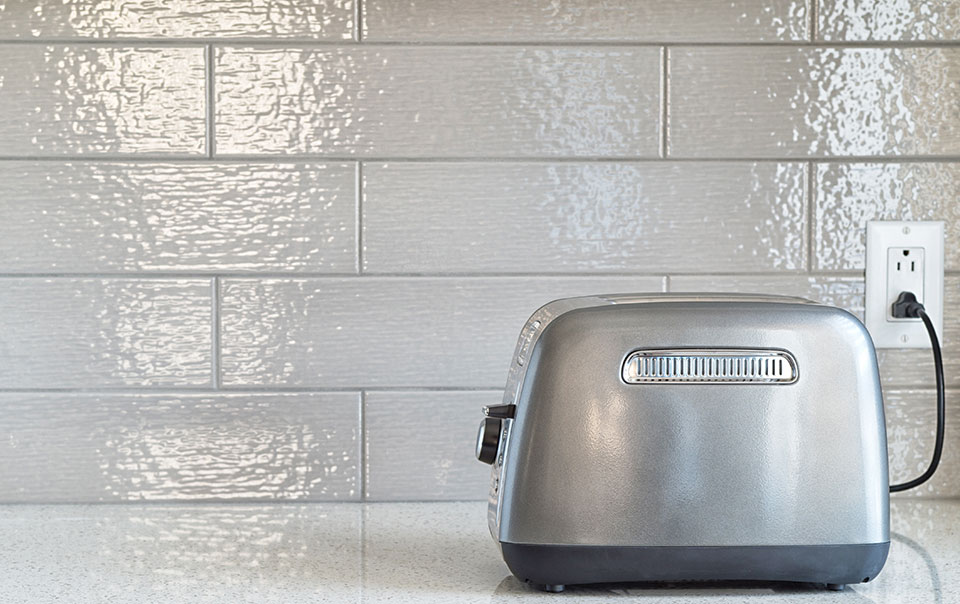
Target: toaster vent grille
{"points": [[714, 366]]}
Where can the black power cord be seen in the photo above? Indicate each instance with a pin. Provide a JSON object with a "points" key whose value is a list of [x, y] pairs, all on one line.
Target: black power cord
{"points": [[907, 307]]}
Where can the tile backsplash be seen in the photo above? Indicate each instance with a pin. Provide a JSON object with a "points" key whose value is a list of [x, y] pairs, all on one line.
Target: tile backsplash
{"points": [[282, 250]]}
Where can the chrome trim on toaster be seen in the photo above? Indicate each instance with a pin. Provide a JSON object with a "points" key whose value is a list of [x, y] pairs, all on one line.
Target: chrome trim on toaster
{"points": [[709, 366]]}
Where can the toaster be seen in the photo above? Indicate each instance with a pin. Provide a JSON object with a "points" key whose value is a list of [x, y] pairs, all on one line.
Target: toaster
{"points": [[687, 437]]}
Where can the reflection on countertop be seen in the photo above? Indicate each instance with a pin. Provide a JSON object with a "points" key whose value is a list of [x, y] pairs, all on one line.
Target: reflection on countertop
{"points": [[349, 552]]}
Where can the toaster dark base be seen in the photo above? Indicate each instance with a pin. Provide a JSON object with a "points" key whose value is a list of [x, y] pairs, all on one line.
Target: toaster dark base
{"points": [[558, 565]]}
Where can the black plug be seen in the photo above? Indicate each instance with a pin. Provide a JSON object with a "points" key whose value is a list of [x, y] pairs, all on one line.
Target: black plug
{"points": [[906, 306]]}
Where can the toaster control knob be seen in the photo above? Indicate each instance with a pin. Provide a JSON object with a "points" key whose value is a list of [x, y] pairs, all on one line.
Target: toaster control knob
{"points": [[488, 439], [501, 411]]}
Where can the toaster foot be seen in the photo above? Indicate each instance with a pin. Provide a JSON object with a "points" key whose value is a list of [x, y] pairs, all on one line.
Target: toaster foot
{"points": [[554, 589], [835, 586]]}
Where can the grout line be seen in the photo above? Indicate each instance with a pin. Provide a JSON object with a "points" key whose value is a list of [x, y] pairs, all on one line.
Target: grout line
{"points": [[358, 21], [664, 99], [170, 390], [813, 23], [439, 276], [253, 390], [358, 203], [546, 159], [210, 129], [361, 507], [307, 43], [810, 198], [215, 354], [362, 512], [363, 446]]}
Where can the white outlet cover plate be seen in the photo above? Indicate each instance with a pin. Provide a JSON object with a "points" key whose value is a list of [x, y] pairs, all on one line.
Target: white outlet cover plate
{"points": [[881, 236]]}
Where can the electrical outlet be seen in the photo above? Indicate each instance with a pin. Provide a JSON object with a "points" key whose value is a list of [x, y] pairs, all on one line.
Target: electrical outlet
{"points": [[903, 256]]}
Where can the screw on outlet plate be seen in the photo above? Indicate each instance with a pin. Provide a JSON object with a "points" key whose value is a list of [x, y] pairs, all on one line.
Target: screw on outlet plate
{"points": [[904, 338], [906, 230]]}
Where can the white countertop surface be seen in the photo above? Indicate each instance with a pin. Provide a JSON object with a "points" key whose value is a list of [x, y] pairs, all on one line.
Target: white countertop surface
{"points": [[381, 552]]}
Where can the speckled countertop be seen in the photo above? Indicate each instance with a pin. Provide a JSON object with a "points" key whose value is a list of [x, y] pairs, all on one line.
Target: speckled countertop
{"points": [[385, 552]]}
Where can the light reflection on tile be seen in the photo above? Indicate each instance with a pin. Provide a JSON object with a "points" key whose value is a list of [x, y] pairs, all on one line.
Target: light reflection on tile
{"points": [[893, 20], [848, 195], [438, 101], [562, 217], [386, 332], [170, 447], [613, 20], [90, 333], [125, 217], [737, 102], [440, 462], [117, 19], [911, 420], [62, 100]]}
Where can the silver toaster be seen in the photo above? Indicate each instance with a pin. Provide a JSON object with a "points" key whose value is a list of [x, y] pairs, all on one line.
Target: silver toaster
{"points": [[683, 437]]}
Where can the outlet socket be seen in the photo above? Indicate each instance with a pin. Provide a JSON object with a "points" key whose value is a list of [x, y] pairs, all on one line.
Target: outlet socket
{"points": [[903, 256], [904, 274]]}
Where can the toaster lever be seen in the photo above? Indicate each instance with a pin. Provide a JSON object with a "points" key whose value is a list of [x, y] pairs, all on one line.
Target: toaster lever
{"points": [[501, 411]]}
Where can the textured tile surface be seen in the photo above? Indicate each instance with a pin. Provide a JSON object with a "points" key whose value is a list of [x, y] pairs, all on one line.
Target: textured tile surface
{"points": [[86, 99], [880, 20], [402, 553], [562, 217], [452, 102], [128, 447], [911, 420], [118, 217], [849, 195], [788, 102], [88, 333], [898, 367], [188, 554], [386, 332], [439, 463], [618, 20], [53, 19]]}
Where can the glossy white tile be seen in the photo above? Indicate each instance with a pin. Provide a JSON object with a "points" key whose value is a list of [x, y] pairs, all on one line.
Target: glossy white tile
{"points": [[175, 447], [94, 333], [848, 195], [567, 217], [616, 21], [386, 332], [70, 100], [129, 217], [420, 445], [795, 102], [438, 101], [898, 367], [889, 20], [118, 19], [911, 420]]}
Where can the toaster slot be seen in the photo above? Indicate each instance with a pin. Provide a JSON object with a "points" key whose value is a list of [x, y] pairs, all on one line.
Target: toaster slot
{"points": [[709, 366]]}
